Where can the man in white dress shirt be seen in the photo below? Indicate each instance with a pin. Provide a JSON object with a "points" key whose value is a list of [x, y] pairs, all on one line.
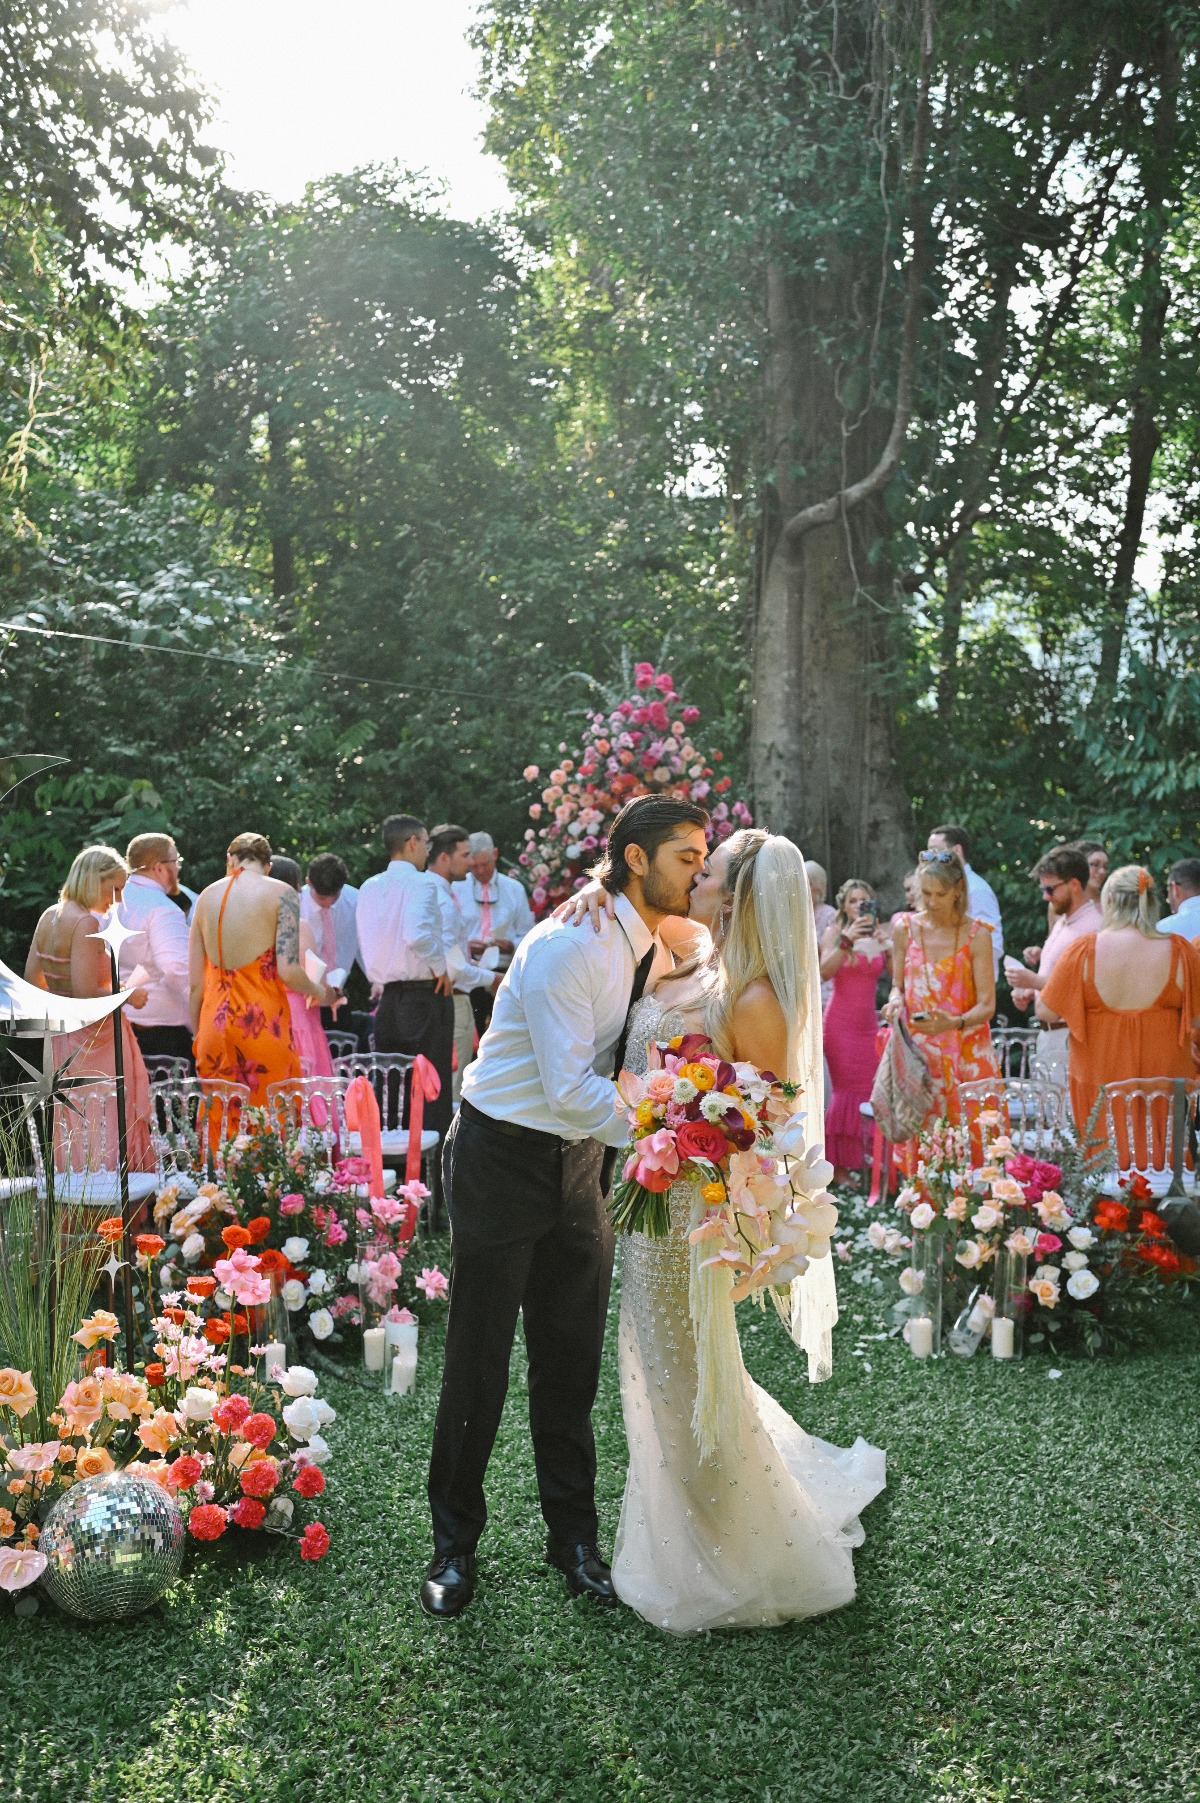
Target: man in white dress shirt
{"points": [[497, 912], [403, 953], [163, 1027], [981, 897], [329, 901], [525, 1171], [449, 854], [1183, 893]]}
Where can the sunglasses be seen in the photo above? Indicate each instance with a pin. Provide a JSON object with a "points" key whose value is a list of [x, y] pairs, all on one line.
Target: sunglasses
{"points": [[1052, 888], [939, 857]]}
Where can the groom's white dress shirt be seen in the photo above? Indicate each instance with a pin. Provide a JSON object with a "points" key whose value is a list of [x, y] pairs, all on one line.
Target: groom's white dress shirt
{"points": [[546, 1059]]}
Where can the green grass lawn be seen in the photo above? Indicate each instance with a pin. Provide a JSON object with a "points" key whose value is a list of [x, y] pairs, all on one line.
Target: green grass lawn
{"points": [[1026, 1625]]}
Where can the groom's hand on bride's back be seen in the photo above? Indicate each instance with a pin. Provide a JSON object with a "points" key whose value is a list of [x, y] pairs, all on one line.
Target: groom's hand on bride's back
{"points": [[593, 901]]}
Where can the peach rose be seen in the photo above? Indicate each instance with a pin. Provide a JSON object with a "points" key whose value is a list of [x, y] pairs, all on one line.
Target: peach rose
{"points": [[94, 1461], [8, 1524], [156, 1469], [16, 1391], [82, 1404], [160, 1432], [125, 1395], [94, 1328]]}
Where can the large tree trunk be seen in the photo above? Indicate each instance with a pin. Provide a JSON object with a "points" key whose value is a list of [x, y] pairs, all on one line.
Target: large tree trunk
{"points": [[823, 747]]}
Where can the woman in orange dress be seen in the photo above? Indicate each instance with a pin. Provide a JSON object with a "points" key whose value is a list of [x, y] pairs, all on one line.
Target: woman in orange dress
{"points": [[945, 982], [245, 955], [66, 959], [1129, 996]]}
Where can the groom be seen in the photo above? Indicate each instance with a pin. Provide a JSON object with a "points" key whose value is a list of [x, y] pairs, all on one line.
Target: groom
{"points": [[526, 1173]]}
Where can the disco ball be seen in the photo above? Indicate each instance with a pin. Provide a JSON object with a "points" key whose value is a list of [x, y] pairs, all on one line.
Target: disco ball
{"points": [[113, 1544]]}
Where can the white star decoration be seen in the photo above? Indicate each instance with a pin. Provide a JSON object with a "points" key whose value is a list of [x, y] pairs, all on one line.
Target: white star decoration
{"points": [[115, 934]]}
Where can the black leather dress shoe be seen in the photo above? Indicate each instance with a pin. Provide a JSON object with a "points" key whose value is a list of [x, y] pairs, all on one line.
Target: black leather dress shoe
{"points": [[449, 1585], [584, 1569]]}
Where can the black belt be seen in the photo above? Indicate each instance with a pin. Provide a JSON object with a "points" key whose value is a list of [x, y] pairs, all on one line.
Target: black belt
{"points": [[511, 1129], [417, 983]]}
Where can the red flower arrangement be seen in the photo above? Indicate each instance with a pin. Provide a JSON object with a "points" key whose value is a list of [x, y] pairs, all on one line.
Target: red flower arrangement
{"points": [[309, 1481], [247, 1513], [260, 1478], [314, 1541], [207, 1522]]}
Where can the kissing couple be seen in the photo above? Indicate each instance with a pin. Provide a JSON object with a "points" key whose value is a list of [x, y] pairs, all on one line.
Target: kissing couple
{"points": [[760, 1531]]}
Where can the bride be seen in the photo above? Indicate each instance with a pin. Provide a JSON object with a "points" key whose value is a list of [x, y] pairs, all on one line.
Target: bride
{"points": [[760, 1532]]}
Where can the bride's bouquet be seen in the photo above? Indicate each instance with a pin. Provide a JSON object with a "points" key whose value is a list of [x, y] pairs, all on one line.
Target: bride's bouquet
{"points": [[737, 1133]]}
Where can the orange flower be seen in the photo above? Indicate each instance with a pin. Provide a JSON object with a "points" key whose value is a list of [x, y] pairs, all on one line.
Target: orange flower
{"points": [[8, 1524], [149, 1245], [1153, 1224], [240, 1323], [258, 1228], [235, 1236], [271, 1260], [175, 1314], [17, 1391], [156, 1374], [111, 1229], [93, 1462], [1111, 1215], [201, 1286], [216, 1330]]}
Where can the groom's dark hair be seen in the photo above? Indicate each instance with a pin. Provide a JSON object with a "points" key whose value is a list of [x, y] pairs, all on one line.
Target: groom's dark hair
{"points": [[647, 821]]}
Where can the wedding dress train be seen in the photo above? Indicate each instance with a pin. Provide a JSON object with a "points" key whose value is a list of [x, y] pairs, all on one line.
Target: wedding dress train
{"points": [[758, 1534]]}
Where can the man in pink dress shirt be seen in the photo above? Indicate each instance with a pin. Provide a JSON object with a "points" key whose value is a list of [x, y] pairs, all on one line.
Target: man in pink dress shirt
{"points": [[1062, 875]]}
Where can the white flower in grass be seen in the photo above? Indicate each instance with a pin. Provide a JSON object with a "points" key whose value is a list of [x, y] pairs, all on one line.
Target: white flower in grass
{"points": [[279, 1514], [301, 1418], [1082, 1284], [318, 1450], [877, 1235], [325, 1414], [320, 1324], [894, 1242]]}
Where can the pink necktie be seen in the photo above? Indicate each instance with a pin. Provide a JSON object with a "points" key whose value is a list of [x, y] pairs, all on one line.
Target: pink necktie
{"points": [[328, 939], [485, 913]]}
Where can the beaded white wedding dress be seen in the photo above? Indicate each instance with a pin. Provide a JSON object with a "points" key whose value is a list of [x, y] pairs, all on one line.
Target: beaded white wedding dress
{"points": [[761, 1532]]}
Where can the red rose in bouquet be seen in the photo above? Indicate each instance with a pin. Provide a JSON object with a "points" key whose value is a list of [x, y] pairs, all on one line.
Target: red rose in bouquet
{"points": [[1153, 1224], [703, 1139], [1112, 1216]]}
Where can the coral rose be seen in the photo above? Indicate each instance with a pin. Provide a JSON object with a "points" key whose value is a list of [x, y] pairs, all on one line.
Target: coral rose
{"points": [[701, 1139], [247, 1513], [82, 1404], [260, 1479], [149, 1245], [309, 1481], [216, 1330], [258, 1228], [17, 1391], [314, 1541], [230, 1414], [235, 1236], [201, 1286], [206, 1521], [260, 1430], [94, 1461], [271, 1260], [156, 1375], [111, 1229], [1111, 1215]]}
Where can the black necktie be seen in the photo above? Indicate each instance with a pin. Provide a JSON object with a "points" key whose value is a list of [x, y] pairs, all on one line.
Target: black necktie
{"points": [[640, 975]]}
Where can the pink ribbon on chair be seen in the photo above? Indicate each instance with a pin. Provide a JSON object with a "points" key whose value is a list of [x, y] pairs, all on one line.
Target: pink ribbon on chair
{"points": [[426, 1087], [362, 1117]]}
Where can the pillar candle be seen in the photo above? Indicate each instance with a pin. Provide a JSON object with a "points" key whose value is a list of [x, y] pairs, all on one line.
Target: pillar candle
{"points": [[404, 1372], [274, 1353], [1002, 1337], [920, 1336], [373, 1347]]}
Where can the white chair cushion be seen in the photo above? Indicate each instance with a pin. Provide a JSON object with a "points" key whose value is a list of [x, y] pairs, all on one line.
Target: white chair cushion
{"points": [[362, 1190], [93, 1189], [395, 1142]]}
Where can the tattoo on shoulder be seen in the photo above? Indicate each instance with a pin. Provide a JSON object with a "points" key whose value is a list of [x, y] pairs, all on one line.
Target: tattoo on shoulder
{"points": [[287, 929]]}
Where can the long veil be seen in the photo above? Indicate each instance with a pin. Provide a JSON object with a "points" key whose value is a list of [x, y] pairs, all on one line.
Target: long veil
{"points": [[788, 935]]}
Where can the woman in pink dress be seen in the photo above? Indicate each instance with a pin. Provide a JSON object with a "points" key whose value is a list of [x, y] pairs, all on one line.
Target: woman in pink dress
{"points": [[853, 958], [944, 982], [68, 960], [308, 1035]]}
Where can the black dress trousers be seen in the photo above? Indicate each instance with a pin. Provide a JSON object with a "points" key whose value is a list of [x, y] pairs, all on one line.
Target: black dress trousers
{"points": [[413, 1018], [531, 1235]]}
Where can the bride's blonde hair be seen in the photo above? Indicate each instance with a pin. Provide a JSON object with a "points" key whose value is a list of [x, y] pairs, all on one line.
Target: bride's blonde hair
{"points": [[771, 933]]}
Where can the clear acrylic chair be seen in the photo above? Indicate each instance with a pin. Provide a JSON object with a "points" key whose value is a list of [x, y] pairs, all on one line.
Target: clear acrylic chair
{"points": [[194, 1120], [1151, 1125], [80, 1165], [341, 1045], [1014, 1048], [162, 1068], [313, 1109], [1032, 1114], [388, 1075]]}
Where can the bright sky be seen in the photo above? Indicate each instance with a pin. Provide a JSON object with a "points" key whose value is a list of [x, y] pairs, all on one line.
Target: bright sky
{"points": [[308, 88]]}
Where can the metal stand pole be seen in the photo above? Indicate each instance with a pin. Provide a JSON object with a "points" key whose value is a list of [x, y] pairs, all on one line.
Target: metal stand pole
{"points": [[123, 1164]]}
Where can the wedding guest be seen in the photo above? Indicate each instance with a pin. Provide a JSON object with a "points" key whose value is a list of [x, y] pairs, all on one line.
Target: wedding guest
{"points": [[1063, 876], [982, 904], [308, 1035], [1097, 859], [1130, 999], [823, 915], [149, 909], [852, 957], [1183, 894], [400, 940], [944, 983], [328, 902], [449, 857], [496, 910], [66, 959], [244, 956]]}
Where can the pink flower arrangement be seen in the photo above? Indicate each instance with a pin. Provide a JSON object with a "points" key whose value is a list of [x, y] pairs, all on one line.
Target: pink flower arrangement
{"points": [[643, 745], [434, 1283]]}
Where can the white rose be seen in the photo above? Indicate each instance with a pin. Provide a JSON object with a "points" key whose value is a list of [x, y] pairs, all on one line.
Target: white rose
{"points": [[279, 1514], [986, 1217], [192, 1248], [893, 1241], [1082, 1284], [912, 1282], [1081, 1238], [222, 1300], [322, 1182], [318, 1283], [295, 1250], [967, 1254], [298, 1380], [685, 1091], [877, 1234], [922, 1216], [199, 1403], [301, 1417], [325, 1414], [293, 1294], [320, 1324], [318, 1450], [353, 1273], [1075, 1261], [1047, 1274]]}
